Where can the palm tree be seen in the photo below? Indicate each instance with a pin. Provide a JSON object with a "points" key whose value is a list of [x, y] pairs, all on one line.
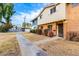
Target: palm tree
{"points": [[7, 14], [1, 9], [8, 11]]}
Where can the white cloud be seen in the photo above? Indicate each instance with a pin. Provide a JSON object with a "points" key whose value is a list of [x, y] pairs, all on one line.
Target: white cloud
{"points": [[19, 18]]}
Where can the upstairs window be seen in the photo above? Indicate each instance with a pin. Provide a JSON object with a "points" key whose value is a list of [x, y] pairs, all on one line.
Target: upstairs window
{"points": [[34, 22], [52, 10], [40, 16], [75, 4]]}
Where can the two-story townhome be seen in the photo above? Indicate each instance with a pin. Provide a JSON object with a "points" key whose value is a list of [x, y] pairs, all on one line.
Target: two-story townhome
{"points": [[61, 17], [34, 23]]}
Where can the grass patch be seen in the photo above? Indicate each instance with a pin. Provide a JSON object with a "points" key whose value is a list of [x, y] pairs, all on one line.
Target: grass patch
{"points": [[9, 45], [34, 37]]}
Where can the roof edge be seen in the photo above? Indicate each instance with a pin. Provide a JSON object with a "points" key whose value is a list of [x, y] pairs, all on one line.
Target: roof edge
{"points": [[44, 9]]}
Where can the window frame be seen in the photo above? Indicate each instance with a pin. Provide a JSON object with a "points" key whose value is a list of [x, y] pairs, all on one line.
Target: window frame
{"points": [[53, 10], [40, 16], [75, 4]]}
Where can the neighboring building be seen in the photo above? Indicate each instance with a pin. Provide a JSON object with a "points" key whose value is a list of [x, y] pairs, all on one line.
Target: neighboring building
{"points": [[34, 23], [26, 27], [61, 17]]}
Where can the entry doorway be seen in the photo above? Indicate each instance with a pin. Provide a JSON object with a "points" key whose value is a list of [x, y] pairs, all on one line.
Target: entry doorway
{"points": [[60, 30]]}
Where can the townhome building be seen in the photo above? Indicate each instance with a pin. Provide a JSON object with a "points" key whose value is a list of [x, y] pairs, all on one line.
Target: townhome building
{"points": [[34, 23], [60, 17]]}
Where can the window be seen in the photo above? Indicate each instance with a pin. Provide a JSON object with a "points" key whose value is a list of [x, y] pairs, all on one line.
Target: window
{"points": [[74, 4], [35, 21], [41, 27], [40, 16], [52, 10], [49, 27]]}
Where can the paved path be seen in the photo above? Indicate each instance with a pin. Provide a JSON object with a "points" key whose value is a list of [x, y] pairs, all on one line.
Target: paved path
{"points": [[28, 48]]}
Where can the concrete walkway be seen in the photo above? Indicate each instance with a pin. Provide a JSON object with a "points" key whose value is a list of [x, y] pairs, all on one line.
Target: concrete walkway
{"points": [[28, 48]]}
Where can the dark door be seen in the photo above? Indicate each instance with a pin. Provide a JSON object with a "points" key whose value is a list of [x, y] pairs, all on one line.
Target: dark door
{"points": [[60, 30]]}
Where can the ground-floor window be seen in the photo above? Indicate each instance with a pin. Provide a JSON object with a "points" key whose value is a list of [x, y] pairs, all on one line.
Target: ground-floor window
{"points": [[50, 27]]}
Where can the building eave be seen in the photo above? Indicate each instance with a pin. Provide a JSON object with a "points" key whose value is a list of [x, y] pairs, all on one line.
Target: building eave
{"points": [[53, 22], [34, 19], [46, 8]]}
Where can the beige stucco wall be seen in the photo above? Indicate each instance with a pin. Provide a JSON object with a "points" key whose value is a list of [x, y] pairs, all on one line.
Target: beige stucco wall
{"points": [[58, 15], [72, 23], [73, 18]]}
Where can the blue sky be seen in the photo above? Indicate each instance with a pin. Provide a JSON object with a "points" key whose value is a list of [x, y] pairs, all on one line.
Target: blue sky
{"points": [[27, 11]]}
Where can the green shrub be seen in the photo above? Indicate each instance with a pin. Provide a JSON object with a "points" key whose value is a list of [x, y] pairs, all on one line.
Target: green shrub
{"points": [[50, 33], [33, 31], [45, 32], [2, 29], [39, 31], [5, 27]]}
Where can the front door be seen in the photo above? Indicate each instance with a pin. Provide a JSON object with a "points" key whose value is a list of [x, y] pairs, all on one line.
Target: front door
{"points": [[60, 30]]}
